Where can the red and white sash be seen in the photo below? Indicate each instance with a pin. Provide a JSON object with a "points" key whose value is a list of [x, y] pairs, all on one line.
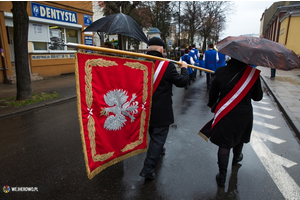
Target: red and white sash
{"points": [[236, 94], [160, 68]]}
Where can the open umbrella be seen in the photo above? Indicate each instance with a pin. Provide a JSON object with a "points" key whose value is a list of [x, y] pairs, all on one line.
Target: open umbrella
{"points": [[118, 23], [259, 51]]}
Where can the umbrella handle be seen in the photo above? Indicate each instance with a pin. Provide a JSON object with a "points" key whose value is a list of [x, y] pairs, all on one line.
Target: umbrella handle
{"points": [[116, 51]]}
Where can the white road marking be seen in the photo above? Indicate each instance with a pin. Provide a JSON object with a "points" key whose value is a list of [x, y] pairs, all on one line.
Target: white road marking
{"points": [[274, 165], [263, 108], [264, 115], [262, 102], [271, 138], [271, 126]]}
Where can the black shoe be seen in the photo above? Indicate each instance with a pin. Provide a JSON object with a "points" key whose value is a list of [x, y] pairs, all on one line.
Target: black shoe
{"points": [[235, 161], [148, 176], [220, 181], [221, 176]]}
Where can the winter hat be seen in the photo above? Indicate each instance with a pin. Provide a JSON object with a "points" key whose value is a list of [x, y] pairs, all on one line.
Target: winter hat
{"points": [[156, 41]]}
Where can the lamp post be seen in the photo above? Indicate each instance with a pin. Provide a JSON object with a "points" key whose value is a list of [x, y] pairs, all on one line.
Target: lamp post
{"points": [[179, 26]]}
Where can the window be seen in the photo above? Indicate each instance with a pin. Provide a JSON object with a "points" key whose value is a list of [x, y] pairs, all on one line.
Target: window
{"points": [[39, 45], [71, 36], [50, 37], [57, 38]]}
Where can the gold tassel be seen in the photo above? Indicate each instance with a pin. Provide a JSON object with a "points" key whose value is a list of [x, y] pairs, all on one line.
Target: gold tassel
{"points": [[203, 136]]}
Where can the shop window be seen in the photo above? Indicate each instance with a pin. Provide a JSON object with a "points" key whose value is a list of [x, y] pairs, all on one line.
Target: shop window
{"points": [[39, 45], [50, 37], [57, 38], [71, 36]]}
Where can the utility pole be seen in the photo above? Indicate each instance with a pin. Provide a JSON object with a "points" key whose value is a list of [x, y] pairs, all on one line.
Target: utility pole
{"points": [[179, 26]]}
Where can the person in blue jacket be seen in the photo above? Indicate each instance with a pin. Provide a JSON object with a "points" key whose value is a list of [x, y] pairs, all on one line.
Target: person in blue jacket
{"points": [[221, 61], [189, 60], [194, 54], [210, 60]]}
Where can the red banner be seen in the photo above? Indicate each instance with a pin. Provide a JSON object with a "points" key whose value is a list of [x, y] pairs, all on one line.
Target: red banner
{"points": [[114, 101]]}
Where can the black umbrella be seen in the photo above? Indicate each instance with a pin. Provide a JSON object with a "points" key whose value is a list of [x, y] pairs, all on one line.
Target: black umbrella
{"points": [[118, 23]]}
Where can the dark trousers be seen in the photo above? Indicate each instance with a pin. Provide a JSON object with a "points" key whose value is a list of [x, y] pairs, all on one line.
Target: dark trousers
{"points": [[273, 71], [158, 136], [208, 79]]}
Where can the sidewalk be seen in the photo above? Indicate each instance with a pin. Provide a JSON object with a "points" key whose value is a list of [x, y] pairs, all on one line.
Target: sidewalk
{"points": [[65, 85], [285, 89]]}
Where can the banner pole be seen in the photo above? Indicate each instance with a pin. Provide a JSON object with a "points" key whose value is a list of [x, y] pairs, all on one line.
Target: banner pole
{"points": [[116, 51]]}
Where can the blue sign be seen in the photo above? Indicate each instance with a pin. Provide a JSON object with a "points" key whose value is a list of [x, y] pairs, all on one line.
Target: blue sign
{"points": [[87, 20], [48, 12], [88, 40]]}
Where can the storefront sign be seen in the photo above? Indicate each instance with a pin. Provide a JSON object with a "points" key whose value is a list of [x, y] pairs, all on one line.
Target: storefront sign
{"points": [[88, 40], [48, 12], [87, 20], [51, 56]]}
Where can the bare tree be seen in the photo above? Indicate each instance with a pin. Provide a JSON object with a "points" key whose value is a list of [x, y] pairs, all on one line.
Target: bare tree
{"points": [[21, 21], [213, 17], [161, 17], [191, 21]]}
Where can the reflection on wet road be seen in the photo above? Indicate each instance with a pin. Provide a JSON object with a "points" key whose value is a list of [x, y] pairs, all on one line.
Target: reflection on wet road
{"points": [[43, 149]]}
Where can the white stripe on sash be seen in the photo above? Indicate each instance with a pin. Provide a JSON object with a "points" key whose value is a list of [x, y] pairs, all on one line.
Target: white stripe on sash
{"points": [[235, 95], [158, 70]]}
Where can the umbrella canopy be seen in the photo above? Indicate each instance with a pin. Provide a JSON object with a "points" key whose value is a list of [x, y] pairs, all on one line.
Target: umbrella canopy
{"points": [[259, 51], [118, 23]]}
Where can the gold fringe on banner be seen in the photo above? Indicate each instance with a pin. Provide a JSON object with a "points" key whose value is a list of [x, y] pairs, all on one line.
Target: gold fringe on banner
{"points": [[203, 136]]}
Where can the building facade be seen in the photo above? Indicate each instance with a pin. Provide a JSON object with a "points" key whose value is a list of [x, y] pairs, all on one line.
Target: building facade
{"points": [[280, 23], [51, 23]]}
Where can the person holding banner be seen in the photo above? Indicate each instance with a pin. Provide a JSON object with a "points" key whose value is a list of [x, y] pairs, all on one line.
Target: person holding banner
{"points": [[161, 111], [232, 88]]}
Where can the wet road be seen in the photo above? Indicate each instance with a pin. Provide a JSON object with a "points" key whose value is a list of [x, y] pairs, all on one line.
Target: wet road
{"points": [[43, 149]]}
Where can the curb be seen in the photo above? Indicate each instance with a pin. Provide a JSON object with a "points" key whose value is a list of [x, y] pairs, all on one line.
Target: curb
{"points": [[292, 121], [37, 107]]}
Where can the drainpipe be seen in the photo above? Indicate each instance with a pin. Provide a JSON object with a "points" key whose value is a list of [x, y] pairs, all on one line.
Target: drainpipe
{"points": [[287, 31]]}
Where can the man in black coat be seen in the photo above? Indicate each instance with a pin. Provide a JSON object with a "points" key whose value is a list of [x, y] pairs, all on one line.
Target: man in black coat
{"points": [[161, 111]]}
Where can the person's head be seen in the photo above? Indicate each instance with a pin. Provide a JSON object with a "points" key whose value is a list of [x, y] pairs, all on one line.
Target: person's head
{"points": [[193, 45], [210, 45], [156, 44], [190, 47], [186, 51], [107, 45]]}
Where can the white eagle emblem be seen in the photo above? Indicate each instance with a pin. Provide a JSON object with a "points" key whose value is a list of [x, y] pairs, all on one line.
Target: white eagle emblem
{"points": [[120, 107]]}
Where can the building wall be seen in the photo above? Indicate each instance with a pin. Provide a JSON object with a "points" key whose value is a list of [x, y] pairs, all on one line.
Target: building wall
{"points": [[47, 63], [283, 24], [290, 37]]}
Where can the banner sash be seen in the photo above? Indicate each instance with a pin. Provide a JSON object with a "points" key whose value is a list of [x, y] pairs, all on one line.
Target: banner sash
{"points": [[238, 92], [160, 68]]}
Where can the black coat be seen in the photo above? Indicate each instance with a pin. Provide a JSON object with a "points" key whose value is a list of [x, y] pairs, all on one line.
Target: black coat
{"points": [[236, 126], [161, 110]]}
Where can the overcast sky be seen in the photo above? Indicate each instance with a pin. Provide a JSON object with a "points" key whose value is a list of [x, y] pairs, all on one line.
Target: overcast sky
{"points": [[245, 18]]}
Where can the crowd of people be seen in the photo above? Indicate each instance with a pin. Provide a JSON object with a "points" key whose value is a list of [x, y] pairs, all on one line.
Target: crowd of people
{"points": [[210, 59]]}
